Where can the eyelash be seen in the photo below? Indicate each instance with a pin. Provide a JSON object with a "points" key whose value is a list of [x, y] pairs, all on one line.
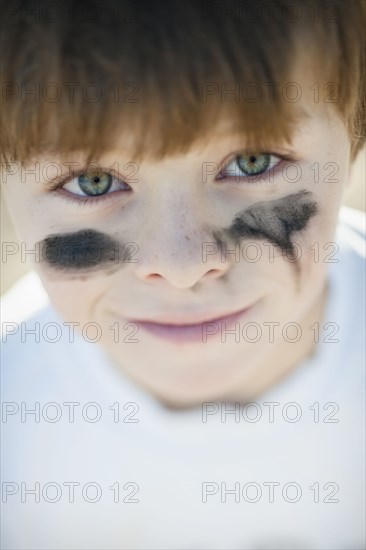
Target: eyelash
{"points": [[255, 179], [87, 200]]}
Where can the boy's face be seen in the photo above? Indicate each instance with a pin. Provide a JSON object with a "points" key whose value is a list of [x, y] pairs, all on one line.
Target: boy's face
{"points": [[183, 245]]}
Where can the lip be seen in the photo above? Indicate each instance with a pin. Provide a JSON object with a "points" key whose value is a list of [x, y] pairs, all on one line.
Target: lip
{"points": [[184, 331]]}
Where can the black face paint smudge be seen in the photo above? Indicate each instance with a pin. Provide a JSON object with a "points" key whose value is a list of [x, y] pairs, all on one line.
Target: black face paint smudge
{"points": [[85, 250], [275, 221]]}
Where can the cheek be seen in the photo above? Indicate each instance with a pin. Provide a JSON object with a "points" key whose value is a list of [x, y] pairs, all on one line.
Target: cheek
{"points": [[77, 270], [283, 245], [275, 221], [77, 300], [280, 226], [317, 245], [81, 253]]}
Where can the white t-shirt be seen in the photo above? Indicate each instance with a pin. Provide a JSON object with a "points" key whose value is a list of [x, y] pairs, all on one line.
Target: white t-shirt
{"points": [[101, 464]]}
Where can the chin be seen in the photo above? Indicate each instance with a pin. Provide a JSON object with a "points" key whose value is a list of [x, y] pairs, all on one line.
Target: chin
{"points": [[178, 394], [180, 400], [184, 382]]}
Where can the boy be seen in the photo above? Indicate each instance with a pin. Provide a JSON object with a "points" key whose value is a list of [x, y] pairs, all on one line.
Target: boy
{"points": [[176, 170]]}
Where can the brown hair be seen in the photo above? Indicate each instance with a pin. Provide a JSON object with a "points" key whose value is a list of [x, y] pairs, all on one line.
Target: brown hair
{"points": [[75, 75]]}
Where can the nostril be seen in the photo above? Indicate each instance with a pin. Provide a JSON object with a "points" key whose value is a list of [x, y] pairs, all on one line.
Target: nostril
{"points": [[214, 272], [153, 276]]}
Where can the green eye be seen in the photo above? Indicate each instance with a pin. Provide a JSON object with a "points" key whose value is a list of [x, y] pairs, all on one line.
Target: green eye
{"points": [[95, 184], [254, 164]]}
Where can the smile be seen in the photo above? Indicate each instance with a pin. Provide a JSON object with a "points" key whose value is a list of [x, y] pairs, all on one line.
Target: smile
{"points": [[174, 329]]}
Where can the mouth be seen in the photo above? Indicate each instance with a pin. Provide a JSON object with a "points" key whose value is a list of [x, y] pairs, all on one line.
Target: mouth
{"points": [[188, 329]]}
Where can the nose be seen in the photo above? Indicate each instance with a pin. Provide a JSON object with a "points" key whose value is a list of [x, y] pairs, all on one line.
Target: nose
{"points": [[180, 252]]}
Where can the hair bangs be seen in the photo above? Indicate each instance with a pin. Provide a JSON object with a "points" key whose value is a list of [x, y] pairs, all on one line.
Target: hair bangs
{"points": [[162, 82]]}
